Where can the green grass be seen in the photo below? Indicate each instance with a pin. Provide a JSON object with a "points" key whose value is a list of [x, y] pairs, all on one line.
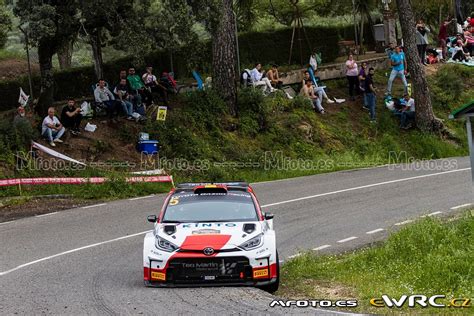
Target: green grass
{"points": [[429, 257]]}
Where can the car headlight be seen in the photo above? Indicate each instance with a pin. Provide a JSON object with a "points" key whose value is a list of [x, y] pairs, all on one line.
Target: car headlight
{"points": [[165, 245], [253, 243]]}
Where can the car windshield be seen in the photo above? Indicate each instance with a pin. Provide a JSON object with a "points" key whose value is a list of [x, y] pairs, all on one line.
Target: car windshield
{"points": [[210, 207]]}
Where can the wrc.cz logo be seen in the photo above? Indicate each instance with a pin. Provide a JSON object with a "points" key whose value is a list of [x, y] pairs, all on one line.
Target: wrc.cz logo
{"points": [[412, 301]]}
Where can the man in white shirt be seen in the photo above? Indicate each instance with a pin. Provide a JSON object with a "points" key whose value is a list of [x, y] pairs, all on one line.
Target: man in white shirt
{"points": [[102, 94], [52, 128], [259, 80], [408, 112]]}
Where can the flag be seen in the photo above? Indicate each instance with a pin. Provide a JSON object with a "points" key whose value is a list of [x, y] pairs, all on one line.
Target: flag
{"points": [[23, 98]]}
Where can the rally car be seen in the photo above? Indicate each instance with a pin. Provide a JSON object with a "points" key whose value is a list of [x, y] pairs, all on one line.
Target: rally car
{"points": [[211, 234]]}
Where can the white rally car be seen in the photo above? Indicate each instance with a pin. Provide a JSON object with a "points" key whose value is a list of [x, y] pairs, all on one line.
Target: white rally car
{"points": [[211, 234]]}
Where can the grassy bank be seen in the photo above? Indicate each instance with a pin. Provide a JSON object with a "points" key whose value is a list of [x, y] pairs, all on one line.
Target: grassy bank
{"points": [[429, 257]]}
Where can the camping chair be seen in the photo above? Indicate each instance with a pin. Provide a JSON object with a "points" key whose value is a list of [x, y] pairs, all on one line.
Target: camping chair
{"points": [[200, 83]]}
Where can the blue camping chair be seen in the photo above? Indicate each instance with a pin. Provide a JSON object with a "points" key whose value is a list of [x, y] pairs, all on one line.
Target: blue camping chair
{"points": [[198, 78]]}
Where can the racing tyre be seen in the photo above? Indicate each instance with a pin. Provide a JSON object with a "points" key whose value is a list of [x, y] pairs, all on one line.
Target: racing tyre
{"points": [[272, 288]]}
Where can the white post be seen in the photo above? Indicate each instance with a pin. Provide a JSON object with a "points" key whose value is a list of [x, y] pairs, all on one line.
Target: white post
{"points": [[471, 145]]}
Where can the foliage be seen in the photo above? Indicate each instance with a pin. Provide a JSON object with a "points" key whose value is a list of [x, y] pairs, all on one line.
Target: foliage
{"points": [[429, 257], [5, 24]]}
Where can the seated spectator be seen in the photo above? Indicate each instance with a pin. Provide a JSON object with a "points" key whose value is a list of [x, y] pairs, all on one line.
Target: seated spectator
{"points": [[153, 85], [137, 88], [20, 116], [103, 95], [258, 78], [317, 89], [123, 74], [122, 92], [274, 77], [52, 128], [407, 112], [458, 52], [168, 82], [469, 43], [71, 117], [308, 92]]}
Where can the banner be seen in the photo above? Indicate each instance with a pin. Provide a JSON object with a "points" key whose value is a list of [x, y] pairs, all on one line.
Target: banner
{"points": [[23, 98], [54, 153], [96, 180]]}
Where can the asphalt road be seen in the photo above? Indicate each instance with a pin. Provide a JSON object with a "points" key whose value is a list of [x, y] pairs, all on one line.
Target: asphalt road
{"points": [[89, 260]]}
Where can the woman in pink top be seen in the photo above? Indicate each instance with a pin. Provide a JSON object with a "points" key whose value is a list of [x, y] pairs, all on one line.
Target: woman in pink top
{"points": [[352, 72]]}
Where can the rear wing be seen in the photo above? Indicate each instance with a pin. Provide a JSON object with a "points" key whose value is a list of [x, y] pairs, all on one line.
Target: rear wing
{"points": [[234, 185]]}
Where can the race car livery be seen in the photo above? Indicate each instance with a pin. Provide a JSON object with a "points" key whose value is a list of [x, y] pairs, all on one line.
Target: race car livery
{"points": [[211, 234]]}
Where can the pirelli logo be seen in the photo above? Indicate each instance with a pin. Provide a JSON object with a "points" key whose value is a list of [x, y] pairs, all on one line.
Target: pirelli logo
{"points": [[158, 276], [261, 273]]}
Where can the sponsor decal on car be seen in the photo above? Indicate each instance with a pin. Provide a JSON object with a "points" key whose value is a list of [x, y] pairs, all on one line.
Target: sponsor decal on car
{"points": [[158, 276], [260, 273]]}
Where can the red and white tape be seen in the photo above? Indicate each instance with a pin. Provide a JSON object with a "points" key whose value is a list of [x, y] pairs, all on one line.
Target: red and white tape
{"points": [[96, 180]]}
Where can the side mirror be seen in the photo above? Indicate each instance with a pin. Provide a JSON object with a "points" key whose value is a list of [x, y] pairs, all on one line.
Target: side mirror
{"points": [[151, 218], [268, 216]]}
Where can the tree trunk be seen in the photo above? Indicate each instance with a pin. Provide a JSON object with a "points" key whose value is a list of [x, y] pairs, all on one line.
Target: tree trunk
{"points": [[224, 57], [425, 118], [96, 45], [45, 56], [65, 54], [361, 37]]}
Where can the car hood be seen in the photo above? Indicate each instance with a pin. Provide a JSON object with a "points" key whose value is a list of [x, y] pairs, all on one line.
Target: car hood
{"points": [[219, 236]]}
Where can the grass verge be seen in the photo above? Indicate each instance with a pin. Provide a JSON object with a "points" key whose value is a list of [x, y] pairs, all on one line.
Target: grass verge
{"points": [[429, 257]]}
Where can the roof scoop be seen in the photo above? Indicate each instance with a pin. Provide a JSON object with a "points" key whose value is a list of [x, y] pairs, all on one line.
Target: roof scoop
{"points": [[249, 228], [169, 229]]}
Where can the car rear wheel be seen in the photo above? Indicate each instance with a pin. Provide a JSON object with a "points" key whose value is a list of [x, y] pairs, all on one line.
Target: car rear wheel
{"points": [[273, 287]]}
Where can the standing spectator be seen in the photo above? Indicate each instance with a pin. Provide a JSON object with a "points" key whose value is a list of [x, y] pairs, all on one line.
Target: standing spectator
{"points": [[258, 78], [407, 112], [122, 92], [274, 77], [363, 72], [103, 95], [422, 32], [52, 128], [308, 92], [20, 116], [443, 35], [352, 72], [399, 64], [153, 85], [317, 90], [71, 116], [137, 88], [370, 94], [123, 74]]}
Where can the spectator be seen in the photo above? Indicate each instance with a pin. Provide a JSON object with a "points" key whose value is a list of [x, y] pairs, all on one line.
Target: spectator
{"points": [[317, 90], [308, 92], [258, 78], [399, 63], [407, 111], [469, 43], [362, 75], [168, 82], [52, 128], [458, 52], [71, 116], [137, 88], [422, 32], [352, 72], [123, 74], [370, 94], [20, 116], [122, 91], [153, 85], [443, 35], [103, 95], [274, 77]]}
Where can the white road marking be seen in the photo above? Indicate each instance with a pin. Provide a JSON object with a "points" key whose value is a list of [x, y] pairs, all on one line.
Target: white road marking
{"points": [[47, 214], [321, 247], [141, 197], [364, 187], [95, 205], [294, 256], [435, 213], [7, 222], [461, 206], [374, 231], [404, 222], [71, 251], [347, 239]]}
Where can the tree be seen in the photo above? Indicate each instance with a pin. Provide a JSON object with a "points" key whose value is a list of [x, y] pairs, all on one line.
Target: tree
{"points": [[49, 24], [425, 118], [5, 24]]}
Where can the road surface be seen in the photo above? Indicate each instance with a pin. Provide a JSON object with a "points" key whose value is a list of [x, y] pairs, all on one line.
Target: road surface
{"points": [[89, 260]]}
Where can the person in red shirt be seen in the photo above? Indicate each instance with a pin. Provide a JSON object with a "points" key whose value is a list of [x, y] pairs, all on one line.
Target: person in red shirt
{"points": [[442, 35]]}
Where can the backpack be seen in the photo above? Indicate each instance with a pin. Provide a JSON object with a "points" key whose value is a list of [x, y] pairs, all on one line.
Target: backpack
{"points": [[245, 78]]}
